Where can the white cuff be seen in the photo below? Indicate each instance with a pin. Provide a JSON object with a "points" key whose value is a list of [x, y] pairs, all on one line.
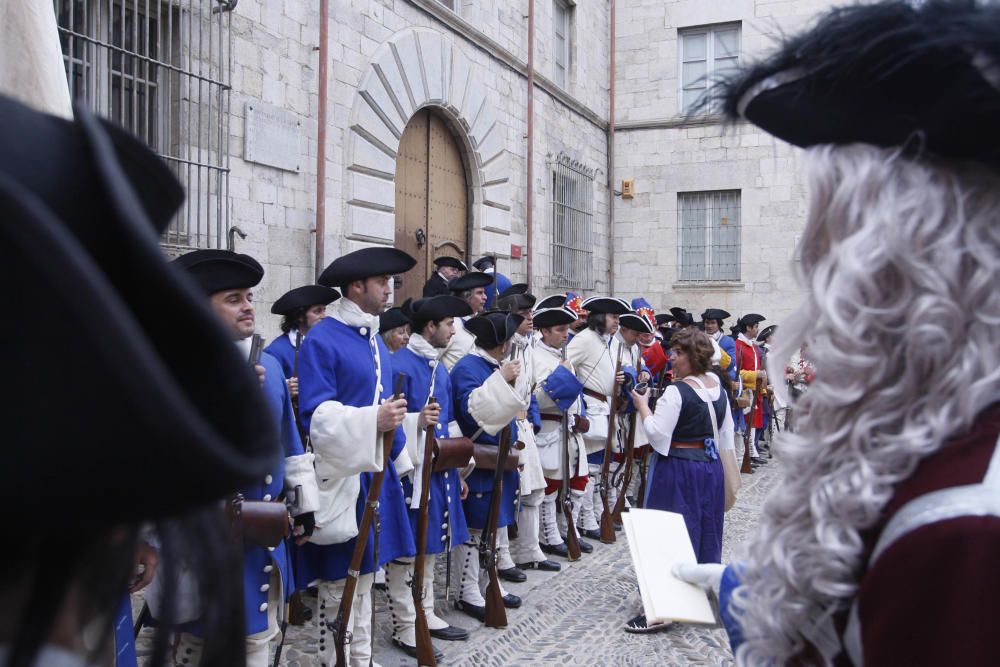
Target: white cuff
{"points": [[300, 476]]}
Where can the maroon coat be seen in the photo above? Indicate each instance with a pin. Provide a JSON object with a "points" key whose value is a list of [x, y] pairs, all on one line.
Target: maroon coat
{"points": [[931, 593]]}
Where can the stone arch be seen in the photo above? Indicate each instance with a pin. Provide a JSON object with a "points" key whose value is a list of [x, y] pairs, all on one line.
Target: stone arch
{"points": [[414, 69]]}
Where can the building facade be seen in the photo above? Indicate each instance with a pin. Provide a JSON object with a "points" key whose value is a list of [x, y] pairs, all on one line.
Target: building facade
{"points": [[426, 137]]}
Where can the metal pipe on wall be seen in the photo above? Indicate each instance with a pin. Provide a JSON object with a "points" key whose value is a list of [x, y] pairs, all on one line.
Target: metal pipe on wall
{"points": [[530, 193], [324, 56], [611, 154]]}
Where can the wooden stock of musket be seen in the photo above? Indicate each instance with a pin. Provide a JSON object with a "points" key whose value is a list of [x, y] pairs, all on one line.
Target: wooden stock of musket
{"points": [[425, 650], [496, 613], [607, 526], [747, 465], [616, 513], [572, 538], [361, 541]]}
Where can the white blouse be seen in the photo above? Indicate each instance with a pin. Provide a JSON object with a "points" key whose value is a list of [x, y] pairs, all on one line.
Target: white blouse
{"points": [[660, 425]]}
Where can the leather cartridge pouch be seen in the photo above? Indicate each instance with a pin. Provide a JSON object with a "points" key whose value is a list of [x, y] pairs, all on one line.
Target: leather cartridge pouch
{"points": [[259, 523], [486, 457], [452, 453]]}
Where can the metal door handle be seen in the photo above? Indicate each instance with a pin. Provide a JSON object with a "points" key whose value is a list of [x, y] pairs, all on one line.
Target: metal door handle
{"points": [[421, 238]]}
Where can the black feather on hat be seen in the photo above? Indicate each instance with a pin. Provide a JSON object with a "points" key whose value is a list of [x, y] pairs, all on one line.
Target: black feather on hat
{"points": [[883, 74], [494, 328], [366, 263], [81, 209], [304, 297]]}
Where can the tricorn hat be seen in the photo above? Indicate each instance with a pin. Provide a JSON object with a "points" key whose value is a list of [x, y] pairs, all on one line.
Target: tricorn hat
{"points": [[888, 74], [436, 308], [551, 301], [636, 322], [366, 263], [304, 297], [516, 296], [493, 328], [766, 333], [218, 270], [681, 316], [453, 262], [663, 319], [610, 305], [470, 280], [83, 206], [392, 318], [552, 317], [483, 263], [714, 314], [749, 320]]}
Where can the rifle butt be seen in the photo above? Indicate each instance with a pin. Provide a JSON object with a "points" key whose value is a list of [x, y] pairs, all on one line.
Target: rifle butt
{"points": [[425, 650], [496, 613], [747, 466], [343, 621], [572, 539], [607, 528]]}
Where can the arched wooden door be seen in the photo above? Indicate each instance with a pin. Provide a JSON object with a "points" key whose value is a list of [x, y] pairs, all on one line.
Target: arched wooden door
{"points": [[432, 207]]}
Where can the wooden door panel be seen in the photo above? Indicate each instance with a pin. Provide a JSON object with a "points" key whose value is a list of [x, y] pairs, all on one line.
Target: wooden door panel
{"points": [[447, 193], [411, 203]]}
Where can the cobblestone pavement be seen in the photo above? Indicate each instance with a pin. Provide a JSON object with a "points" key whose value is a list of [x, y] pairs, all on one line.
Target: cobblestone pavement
{"points": [[573, 617]]}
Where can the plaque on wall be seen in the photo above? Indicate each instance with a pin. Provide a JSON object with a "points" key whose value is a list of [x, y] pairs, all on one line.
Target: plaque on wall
{"points": [[271, 137]]}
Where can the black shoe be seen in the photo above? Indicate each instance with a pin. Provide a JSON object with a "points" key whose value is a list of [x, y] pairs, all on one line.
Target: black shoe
{"points": [[513, 575], [560, 550], [586, 547], [451, 634], [510, 601], [412, 650], [592, 534], [542, 565], [475, 611], [758, 460]]}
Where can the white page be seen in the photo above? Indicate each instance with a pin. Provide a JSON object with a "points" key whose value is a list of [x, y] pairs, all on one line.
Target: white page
{"points": [[657, 541]]}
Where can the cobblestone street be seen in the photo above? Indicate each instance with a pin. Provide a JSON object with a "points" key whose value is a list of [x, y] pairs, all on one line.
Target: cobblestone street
{"points": [[573, 617]]}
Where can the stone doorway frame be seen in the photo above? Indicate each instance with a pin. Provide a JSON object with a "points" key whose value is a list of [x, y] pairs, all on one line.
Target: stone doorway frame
{"points": [[415, 69]]}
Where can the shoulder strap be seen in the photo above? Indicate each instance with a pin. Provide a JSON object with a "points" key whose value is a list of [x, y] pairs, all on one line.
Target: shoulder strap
{"points": [[709, 403]]}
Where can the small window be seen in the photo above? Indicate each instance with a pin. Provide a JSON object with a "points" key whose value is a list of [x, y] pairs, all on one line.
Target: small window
{"points": [[572, 225], [709, 235], [706, 54], [561, 41]]}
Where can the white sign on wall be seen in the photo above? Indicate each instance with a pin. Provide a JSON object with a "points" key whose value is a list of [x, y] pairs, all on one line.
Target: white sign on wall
{"points": [[272, 136]]}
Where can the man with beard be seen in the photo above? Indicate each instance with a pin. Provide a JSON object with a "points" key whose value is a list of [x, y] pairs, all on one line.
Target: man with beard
{"points": [[879, 546]]}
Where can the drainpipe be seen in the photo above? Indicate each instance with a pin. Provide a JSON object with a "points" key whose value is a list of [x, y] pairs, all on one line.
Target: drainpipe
{"points": [[611, 156], [530, 196], [324, 57]]}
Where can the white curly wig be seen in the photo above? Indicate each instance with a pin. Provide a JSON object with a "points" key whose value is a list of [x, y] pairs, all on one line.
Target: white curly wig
{"points": [[901, 265]]}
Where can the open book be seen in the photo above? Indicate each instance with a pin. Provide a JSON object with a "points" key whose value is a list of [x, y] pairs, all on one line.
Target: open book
{"points": [[657, 541]]}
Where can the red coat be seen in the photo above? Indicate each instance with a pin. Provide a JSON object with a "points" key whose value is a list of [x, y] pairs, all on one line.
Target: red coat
{"points": [[655, 358], [932, 594], [748, 361]]}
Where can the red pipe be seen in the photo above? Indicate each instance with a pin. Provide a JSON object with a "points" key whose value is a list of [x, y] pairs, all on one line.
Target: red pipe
{"points": [[530, 196], [611, 158], [324, 55]]}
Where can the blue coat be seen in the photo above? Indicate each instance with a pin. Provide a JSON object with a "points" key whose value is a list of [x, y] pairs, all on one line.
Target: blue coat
{"points": [[729, 345], [502, 283], [282, 349], [467, 375], [337, 363], [259, 562], [444, 505]]}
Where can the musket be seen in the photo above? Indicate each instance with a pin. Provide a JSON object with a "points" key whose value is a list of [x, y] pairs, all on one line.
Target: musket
{"points": [[361, 541], [425, 651], [572, 538], [303, 432], [626, 477], [607, 526]]}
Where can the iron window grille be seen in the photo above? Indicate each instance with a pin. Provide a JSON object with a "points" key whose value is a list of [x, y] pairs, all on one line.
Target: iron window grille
{"points": [[709, 235], [161, 69], [706, 55], [572, 225]]}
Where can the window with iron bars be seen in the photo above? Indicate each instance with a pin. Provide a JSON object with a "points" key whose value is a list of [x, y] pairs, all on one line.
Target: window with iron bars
{"points": [[709, 235], [160, 69], [572, 225]]}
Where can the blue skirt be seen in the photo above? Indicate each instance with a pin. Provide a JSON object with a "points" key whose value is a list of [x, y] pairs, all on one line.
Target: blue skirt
{"points": [[696, 490]]}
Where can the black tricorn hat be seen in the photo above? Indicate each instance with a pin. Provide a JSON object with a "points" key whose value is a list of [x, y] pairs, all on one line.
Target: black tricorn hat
{"points": [[366, 263], [715, 314], [888, 74], [165, 415], [304, 297], [392, 318], [552, 317], [436, 308], [470, 280], [515, 296], [662, 319], [610, 305], [635, 322], [749, 320], [682, 316], [493, 328], [766, 333], [484, 263], [453, 262], [551, 301], [218, 270]]}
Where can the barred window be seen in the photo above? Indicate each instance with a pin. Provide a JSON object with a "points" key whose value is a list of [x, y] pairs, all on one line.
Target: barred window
{"points": [[709, 235], [706, 54], [160, 69], [572, 225]]}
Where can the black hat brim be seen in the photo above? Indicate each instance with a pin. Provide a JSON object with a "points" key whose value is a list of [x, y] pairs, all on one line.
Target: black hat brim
{"points": [[437, 308], [552, 317], [366, 263], [391, 319], [493, 328], [304, 297], [551, 301], [453, 262], [635, 323], [219, 270], [470, 280], [607, 305], [715, 314]]}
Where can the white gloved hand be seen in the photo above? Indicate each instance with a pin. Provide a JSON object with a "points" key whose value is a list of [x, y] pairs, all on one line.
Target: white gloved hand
{"points": [[707, 576]]}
